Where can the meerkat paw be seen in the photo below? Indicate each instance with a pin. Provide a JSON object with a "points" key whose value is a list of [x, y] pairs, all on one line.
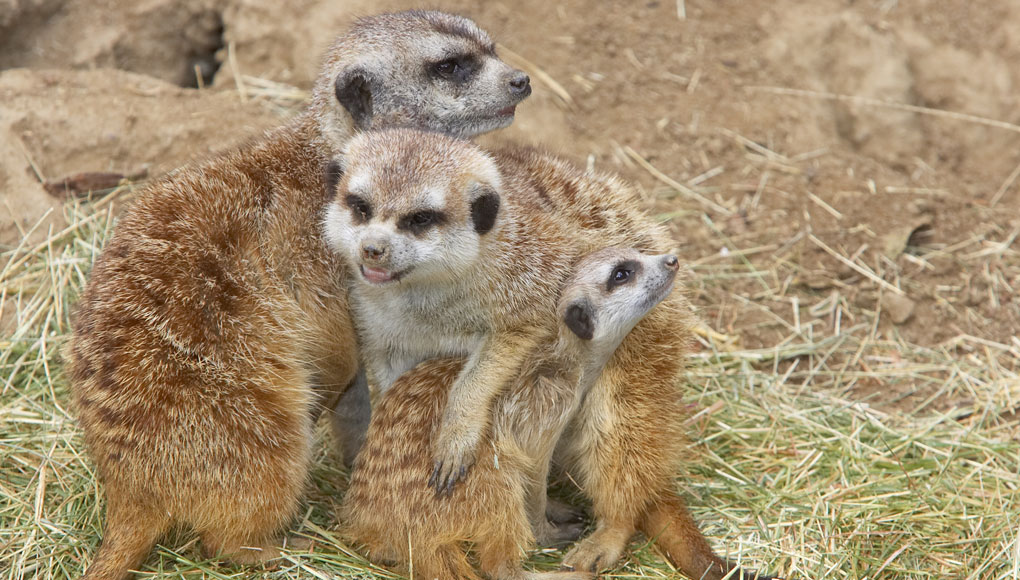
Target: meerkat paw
{"points": [[593, 554], [260, 553], [750, 574], [556, 534], [561, 575], [246, 554], [298, 544], [454, 455], [559, 512]]}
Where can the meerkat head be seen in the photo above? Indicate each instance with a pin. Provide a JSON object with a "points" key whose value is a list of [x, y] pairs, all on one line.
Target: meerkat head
{"points": [[422, 69], [611, 290], [411, 206]]}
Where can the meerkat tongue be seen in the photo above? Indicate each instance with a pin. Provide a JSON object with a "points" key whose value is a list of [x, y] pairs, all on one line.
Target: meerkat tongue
{"points": [[376, 275]]}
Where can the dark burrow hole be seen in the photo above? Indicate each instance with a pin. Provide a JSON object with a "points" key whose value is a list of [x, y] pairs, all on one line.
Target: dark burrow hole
{"points": [[922, 235], [205, 40]]}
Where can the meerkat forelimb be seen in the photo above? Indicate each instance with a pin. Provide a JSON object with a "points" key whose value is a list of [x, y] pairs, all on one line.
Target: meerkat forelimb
{"points": [[389, 506], [215, 324]]}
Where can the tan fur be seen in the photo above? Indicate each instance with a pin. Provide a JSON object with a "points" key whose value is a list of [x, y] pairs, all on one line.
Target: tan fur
{"points": [[502, 502], [624, 445], [401, 520], [216, 324]]}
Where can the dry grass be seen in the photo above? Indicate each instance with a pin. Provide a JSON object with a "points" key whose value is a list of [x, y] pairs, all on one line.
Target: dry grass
{"points": [[786, 473]]}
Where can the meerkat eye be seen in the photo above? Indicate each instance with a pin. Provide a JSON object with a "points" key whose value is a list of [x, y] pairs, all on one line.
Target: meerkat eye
{"points": [[458, 68], [621, 274], [446, 68], [420, 221], [360, 209]]}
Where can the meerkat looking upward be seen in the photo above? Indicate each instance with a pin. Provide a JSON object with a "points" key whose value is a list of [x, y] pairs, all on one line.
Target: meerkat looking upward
{"points": [[216, 324], [388, 505], [460, 252]]}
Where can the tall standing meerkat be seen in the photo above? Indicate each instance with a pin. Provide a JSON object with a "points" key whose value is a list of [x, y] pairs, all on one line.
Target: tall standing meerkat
{"points": [[216, 322], [458, 253], [502, 500]]}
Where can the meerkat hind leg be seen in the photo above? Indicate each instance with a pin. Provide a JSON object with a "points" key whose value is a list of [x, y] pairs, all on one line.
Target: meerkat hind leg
{"points": [[249, 549], [602, 549], [128, 537], [249, 553], [350, 418], [502, 560], [561, 512], [547, 533]]}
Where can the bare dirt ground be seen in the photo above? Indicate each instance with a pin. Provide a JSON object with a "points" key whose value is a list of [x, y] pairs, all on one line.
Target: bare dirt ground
{"points": [[828, 168]]}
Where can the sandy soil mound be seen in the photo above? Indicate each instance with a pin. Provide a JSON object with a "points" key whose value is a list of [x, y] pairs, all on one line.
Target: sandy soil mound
{"points": [[60, 123]]}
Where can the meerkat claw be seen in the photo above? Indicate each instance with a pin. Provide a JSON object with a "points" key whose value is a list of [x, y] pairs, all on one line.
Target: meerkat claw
{"points": [[434, 478]]}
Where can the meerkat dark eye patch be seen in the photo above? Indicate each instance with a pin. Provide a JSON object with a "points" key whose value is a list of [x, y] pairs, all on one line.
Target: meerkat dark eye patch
{"points": [[458, 69], [334, 171], [580, 319], [623, 273], [420, 221], [354, 91], [484, 209], [361, 210]]}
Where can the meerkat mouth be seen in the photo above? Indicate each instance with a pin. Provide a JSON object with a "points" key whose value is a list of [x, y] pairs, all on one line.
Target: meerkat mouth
{"points": [[380, 275], [660, 293], [507, 112]]}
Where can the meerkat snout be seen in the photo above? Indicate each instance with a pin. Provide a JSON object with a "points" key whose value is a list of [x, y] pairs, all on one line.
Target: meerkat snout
{"points": [[520, 84], [374, 248], [671, 262]]}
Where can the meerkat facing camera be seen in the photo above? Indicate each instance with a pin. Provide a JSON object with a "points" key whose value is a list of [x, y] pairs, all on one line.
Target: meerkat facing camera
{"points": [[446, 267], [454, 247], [388, 505], [215, 324]]}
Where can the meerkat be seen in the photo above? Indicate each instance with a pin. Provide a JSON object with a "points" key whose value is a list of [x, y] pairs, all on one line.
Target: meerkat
{"points": [[445, 267], [388, 506], [454, 246], [215, 324]]}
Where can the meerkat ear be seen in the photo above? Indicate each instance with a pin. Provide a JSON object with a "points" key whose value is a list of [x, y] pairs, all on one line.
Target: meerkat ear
{"points": [[484, 208], [579, 319], [334, 171], [354, 91]]}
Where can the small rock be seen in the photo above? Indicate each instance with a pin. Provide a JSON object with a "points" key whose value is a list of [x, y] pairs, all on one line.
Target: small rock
{"points": [[899, 308]]}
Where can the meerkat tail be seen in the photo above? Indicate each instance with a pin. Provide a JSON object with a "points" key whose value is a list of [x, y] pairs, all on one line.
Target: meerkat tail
{"points": [[675, 532], [127, 540]]}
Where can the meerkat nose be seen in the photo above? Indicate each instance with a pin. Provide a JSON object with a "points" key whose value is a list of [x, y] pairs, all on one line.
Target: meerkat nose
{"points": [[371, 252], [671, 262], [520, 83]]}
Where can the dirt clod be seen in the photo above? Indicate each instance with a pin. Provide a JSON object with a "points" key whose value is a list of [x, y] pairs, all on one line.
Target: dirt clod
{"points": [[899, 308]]}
